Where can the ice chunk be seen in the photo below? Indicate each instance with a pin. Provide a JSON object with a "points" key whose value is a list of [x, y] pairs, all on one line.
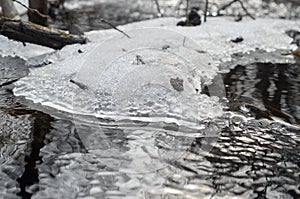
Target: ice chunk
{"points": [[157, 77]]}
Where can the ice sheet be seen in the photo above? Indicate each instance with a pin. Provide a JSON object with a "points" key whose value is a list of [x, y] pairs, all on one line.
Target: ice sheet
{"points": [[158, 72]]}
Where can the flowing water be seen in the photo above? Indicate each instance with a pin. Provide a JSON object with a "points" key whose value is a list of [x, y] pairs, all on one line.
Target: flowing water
{"points": [[255, 155]]}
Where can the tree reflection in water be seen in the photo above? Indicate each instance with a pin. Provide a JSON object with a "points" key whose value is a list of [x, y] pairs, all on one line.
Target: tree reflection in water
{"points": [[272, 88]]}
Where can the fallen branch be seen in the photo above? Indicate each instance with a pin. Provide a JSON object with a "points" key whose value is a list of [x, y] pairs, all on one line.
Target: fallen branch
{"points": [[36, 34]]}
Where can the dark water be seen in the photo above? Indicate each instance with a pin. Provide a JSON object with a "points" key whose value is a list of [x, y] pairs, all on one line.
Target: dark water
{"points": [[255, 156], [274, 87], [270, 153]]}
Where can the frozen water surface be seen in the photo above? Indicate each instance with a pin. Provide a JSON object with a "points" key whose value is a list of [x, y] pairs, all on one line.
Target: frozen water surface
{"points": [[155, 72], [121, 76]]}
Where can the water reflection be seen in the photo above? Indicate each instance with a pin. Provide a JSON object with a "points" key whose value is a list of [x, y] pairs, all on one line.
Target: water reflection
{"points": [[40, 127], [256, 162], [271, 89], [251, 159], [106, 162], [279, 87]]}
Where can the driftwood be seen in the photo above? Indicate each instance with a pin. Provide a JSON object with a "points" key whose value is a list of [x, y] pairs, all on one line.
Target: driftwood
{"points": [[36, 34]]}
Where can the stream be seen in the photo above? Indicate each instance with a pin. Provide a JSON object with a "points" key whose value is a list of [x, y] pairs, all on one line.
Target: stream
{"points": [[252, 157]]}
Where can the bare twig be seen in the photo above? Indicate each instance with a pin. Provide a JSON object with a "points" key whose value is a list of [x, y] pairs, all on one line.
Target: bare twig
{"points": [[205, 11], [246, 11], [226, 6], [114, 27], [32, 10], [232, 2], [158, 8]]}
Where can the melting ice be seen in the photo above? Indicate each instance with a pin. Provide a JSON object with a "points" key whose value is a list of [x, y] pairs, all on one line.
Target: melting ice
{"points": [[156, 74]]}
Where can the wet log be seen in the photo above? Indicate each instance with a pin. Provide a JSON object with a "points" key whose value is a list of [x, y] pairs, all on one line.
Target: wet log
{"points": [[36, 34]]}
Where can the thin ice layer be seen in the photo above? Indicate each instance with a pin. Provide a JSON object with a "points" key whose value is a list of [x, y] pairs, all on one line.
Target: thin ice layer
{"points": [[167, 59]]}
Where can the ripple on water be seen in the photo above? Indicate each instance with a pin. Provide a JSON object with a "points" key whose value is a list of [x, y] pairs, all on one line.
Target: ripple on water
{"points": [[251, 158], [245, 163], [15, 137], [106, 162], [257, 160]]}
